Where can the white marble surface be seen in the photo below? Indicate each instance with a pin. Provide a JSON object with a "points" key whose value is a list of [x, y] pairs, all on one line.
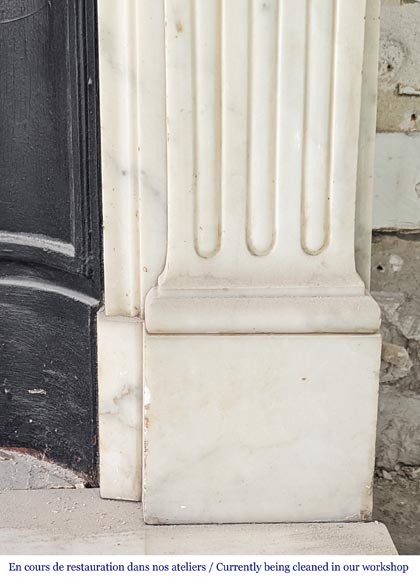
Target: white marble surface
{"points": [[247, 311], [152, 141], [231, 171], [259, 428], [120, 406], [133, 142], [119, 150], [365, 173], [263, 118], [297, 229]]}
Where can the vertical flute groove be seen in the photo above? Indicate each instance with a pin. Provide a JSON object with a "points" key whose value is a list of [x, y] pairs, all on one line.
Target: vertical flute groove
{"points": [[262, 169], [207, 132], [313, 225]]}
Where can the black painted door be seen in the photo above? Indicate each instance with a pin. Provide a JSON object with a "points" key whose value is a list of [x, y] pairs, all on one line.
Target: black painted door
{"points": [[50, 275]]}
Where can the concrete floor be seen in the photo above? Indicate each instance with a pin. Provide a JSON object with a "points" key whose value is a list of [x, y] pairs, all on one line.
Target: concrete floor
{"points": [[29, 471], [45, 509], [396, 502], [78, 521]]}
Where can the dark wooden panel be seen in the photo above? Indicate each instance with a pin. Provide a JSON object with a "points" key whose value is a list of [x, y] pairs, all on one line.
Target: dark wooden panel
{"points": [[36, 189], [47, 354], [48, 126], [50, 256]]}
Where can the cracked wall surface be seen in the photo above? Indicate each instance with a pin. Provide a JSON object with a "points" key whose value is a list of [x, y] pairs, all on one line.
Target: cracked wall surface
{"points": [[396, 288], [396, 240], [399, 66]]}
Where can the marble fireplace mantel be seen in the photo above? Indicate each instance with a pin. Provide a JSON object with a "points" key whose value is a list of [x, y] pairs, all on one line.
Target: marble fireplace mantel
{"points": [[238, 347]]}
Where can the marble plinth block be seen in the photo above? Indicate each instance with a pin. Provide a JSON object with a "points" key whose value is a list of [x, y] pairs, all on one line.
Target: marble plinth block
{"points": [[120, 406], [269, 428]]}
